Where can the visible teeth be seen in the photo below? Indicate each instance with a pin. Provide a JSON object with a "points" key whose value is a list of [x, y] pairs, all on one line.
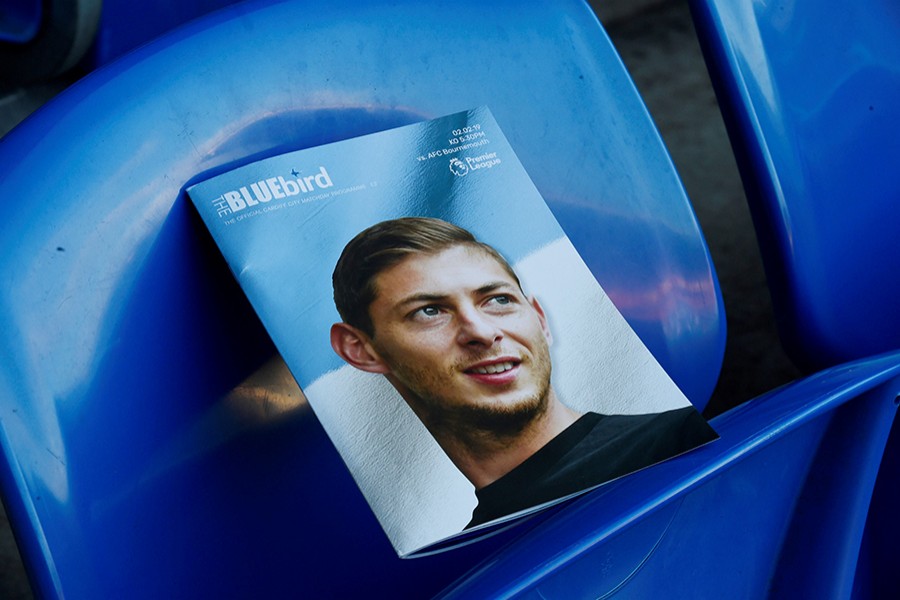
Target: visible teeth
{"points": [[493, 369]]}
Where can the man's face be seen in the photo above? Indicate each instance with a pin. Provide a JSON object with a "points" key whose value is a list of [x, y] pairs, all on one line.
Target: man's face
{"points": [[460, 339]]}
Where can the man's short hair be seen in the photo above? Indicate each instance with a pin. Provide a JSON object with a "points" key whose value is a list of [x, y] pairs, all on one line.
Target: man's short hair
{"points": [[382, 246]]}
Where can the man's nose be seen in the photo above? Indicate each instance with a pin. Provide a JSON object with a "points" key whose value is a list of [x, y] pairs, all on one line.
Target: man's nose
{"points": [[476, 328]]}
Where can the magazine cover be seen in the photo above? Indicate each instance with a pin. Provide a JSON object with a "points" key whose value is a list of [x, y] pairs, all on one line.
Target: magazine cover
{"points": [[453, 344]]}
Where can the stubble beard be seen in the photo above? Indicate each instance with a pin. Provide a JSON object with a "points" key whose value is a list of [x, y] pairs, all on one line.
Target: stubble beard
{"points": [[475, 421], [497, 420]]}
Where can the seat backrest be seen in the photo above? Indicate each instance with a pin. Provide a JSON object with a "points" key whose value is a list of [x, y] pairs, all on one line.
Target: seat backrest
{"points": [[811, 96], [130, 359], [124, 25]]}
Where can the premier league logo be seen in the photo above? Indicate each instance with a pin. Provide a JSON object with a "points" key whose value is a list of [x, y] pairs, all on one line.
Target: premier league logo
{"points": [[458, 167]]}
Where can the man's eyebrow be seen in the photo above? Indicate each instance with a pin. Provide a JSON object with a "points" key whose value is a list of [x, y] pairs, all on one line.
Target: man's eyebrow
{"points": [[423, 297], [493, 286]]}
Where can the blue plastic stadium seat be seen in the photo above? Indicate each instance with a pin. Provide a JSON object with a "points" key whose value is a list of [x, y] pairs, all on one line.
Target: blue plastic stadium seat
{"points": [[124, 25], [136, 460], [811, 96]]}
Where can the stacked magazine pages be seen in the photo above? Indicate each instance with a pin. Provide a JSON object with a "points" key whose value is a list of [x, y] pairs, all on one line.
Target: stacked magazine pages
{"points": [[457, 350]]}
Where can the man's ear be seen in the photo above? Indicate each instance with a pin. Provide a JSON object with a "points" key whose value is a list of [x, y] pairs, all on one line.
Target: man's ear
{"points": [[543, 319], [353, 346]]}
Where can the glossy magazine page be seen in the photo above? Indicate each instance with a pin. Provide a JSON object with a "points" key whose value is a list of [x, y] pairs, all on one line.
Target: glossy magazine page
{"points": [[455, 347]]}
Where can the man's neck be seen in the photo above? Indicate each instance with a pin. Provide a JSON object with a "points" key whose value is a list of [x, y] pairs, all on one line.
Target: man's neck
{"points": [[485, 457]]}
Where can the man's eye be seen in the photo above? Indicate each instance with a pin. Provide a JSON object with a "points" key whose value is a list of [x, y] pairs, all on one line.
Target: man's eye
{"points": [[501, 303], [427, 312]]}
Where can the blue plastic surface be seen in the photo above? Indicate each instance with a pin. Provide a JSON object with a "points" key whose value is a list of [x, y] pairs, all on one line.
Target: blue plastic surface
{"points": [[125, 25], [133, 467], [811, 95]]}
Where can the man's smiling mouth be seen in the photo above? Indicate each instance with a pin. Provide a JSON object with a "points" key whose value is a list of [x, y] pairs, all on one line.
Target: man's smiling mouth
{"points": [[493, 368]]}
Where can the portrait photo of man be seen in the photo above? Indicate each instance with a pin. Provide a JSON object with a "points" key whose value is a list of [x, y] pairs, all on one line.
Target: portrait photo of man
{"points": [[444, 318]]}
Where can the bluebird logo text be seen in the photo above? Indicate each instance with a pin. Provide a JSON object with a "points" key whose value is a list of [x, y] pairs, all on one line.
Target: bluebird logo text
{"points": [[273, 188]]}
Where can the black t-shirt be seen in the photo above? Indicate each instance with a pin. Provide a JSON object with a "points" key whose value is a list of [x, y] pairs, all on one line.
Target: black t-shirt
{"points": [[593, 450]]}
